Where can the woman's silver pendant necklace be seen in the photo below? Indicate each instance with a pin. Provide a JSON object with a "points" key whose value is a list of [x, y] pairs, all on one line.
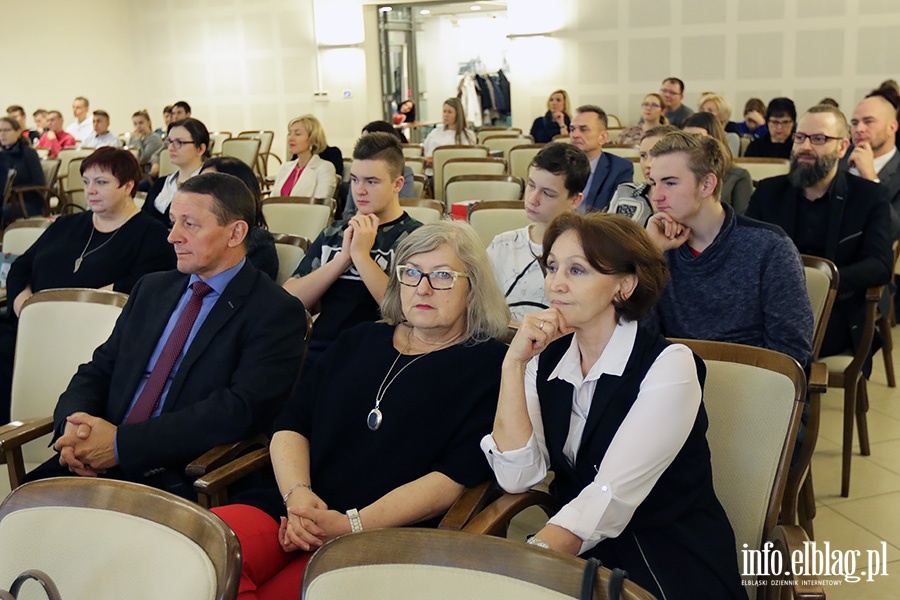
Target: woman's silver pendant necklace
{"points": [[374, 418], [85, 253]]}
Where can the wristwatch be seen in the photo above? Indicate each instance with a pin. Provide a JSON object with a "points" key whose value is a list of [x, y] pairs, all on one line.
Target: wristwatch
{"points": [[536, 541]]}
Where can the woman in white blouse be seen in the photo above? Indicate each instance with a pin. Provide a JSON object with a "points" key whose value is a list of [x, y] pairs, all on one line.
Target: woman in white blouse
{"points": [[307, 175], [188, 146], [615, 411], [454, 132]]}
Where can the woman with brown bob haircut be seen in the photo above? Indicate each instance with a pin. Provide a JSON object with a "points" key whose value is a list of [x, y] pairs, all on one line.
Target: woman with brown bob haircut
{"points": [[615, 410]]}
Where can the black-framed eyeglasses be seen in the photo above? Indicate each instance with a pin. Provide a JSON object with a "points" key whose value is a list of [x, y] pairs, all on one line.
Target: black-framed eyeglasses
{"points": [[780, 123], [178, 143], [442, 279], [816, 139]]}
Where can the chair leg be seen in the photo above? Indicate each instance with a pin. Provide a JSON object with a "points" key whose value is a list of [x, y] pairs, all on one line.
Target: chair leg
{"points": [[884, 329], [807, 506], [862, 423], [847, 449]]}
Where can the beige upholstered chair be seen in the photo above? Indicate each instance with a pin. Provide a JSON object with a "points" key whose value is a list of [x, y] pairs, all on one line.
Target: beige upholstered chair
{"points": [[520, 158], [754, 400], [485, 132], [419, 186], [622, 151], [20, 235], [416, 164], [413, 150], [166, 167], [244, 149], [482, 187], [504, 143], [68, 154], [845, 371], [98, 538], [216, 139], [406, 563], [490, 218], [291, 249], [305, 217], [444, 153], [58, 330], [72, 187], [50, 167], [473, 166], [762, 168], [265, 138], [424, 211]]}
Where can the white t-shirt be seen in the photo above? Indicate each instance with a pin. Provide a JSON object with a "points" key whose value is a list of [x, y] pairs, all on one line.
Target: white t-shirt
{"points": [[444, 137], [514, 258]]}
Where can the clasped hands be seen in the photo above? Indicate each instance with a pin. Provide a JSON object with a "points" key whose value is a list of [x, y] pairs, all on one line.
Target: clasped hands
{"points": [[87, 445], [309, 523], [359, 237]]}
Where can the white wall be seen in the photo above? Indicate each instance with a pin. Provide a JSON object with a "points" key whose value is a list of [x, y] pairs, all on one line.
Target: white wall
{"points": [[612, 52]]}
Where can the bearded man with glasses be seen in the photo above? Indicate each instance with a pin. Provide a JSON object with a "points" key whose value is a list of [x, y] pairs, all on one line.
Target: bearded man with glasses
{"points": [[830, 213]]}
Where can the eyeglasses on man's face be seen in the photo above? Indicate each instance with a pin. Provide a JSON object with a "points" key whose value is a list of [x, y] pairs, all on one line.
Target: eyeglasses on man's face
{"points": [[442, 279], [816, 139]]}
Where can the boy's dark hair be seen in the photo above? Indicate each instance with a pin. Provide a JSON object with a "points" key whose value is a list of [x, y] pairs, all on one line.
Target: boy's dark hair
{"points": [[381, 146], [384, 127], [184, 105], [567, 160]]}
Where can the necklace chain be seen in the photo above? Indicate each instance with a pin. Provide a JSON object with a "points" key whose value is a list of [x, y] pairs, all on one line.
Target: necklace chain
{"points": [[85, 253]]}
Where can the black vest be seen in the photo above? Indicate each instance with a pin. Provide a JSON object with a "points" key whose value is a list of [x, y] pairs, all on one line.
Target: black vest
{"points": [[679, 536]]}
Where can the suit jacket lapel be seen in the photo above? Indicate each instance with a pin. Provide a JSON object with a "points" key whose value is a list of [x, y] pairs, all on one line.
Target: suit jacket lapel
{"points": [[890, 168], [225, 308], [836, 215]]}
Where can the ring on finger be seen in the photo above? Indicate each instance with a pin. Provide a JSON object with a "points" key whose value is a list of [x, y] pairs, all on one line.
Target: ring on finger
{"points": [[542, 325]]}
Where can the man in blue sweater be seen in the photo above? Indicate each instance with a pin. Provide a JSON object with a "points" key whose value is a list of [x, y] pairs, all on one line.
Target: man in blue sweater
{"points": [[733, 279]]}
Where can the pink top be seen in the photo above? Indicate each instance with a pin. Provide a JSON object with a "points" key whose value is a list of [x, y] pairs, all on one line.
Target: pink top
{"points": [[291, 181]]}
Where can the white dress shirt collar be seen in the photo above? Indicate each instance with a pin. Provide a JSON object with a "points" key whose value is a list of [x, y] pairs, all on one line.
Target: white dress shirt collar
{"points": [[612, 361]]}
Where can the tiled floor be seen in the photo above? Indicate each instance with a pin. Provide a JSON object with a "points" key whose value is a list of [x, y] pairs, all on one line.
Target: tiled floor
{"points": [[871, 514]]}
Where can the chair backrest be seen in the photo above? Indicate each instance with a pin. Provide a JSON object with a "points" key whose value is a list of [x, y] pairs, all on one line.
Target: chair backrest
{"points": [[761, 168], [291, 249], [482, 187], [345, 177], [623, 151], [424, 211], [638, 175], [73, 185], [59, 329], [754, 399], [520, 158], [50, 166], [416, 164], [490, 218], [20, 235], [244, 149], [306, 217], [166, 167], [474, 166], [124, 540], [413, 150], [67, 154], [419, 183], [265, 146], [503, 143], [444, 153], [484, 132], [7, 188], [822, 280], [406, 563], [613, 122], [216, 139]]}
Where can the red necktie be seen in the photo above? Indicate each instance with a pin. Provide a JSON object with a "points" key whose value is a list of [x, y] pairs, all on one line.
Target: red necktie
{"points": [[156, 383]]}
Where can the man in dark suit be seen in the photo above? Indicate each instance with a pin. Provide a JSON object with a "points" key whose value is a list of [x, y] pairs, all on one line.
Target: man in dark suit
{"points": [[874, 155], [830, 213], [588, 133], [201, 356]]}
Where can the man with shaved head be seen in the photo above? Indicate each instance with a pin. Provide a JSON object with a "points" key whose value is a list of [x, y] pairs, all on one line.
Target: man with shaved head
{"points": [[875, 156]]}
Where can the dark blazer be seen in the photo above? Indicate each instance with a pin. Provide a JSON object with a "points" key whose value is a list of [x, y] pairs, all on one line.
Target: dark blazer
{"points": [[858, 238], [611, 171], [230, 385], [890, 181]]}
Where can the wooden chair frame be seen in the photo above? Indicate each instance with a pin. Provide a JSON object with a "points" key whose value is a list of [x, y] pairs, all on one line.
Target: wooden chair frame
{"points": [[202, 527], [50, 166], [885, 323], [555, 571], [423, 203], [477, 151]]}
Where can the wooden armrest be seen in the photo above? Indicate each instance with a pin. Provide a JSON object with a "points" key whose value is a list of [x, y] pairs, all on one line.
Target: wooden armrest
{"points": [[471, 502], [216, 481], [818, 378], [17, 433], [873, 294], [788, 539], [222, 455], [494, 520]]}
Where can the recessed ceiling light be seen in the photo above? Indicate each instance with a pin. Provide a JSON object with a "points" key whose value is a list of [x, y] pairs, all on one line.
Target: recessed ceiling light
{"points": [[476, 7], [385, 9], [424, 11]]}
